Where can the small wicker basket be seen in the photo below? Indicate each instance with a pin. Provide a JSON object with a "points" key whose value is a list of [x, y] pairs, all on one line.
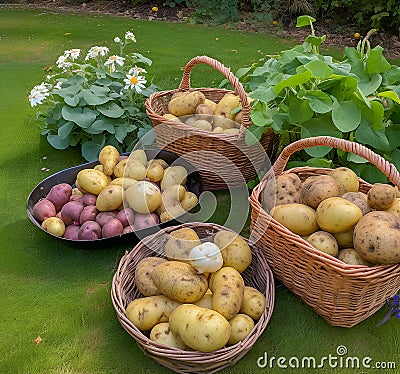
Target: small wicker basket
{"points": [[123, 291], [222, 159], [342, 294]]}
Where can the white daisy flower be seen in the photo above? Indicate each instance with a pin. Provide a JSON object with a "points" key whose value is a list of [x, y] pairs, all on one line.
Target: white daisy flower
{"points": [[58, 85], [96, 52], [117, 39], [114, 59], [136, 70], [62, 62], [135, 82], [73, 53], [38, 94], [129, 35]]}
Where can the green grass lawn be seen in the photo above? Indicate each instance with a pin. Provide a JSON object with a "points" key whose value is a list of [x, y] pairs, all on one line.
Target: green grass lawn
{"points": [[62, 293]]}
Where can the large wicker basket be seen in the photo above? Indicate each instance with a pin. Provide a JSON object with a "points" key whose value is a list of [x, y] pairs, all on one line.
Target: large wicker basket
{"points": [[342, 294], [223, 160], [123, 291]]}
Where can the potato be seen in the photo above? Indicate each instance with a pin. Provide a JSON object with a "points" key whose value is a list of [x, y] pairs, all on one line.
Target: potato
{"points": [[90, 230], [103, 217], [227, 287], [146, 312], [189, 200], [171, 213], [205, 301], [143, 197], [110, 198], [351, 257], [174, 175], [226, 105], [284, 189], [88, 213], [318, 188], [199, 328], [212, 104], [186, 104], [88, 199], [76, 192], [179, 281], [218, 130], [231, 131], [54, 225], [119, 169], [126, 216], [205, 112], [190, 120], [161, 333], [171, 117], [144, 221], [298, 218], [113, 227], [324, 242], [158, 161], [171, 196], [394, 208], [358, 198], [336, 214], [241, 326], [155, 172], [344, 238], [109, 157], [381, 196], [180, 243], [43, 209], [253, 303], [203, 124], [235, 251], [92, 181], [123, 182], [143, 280], [71, 232], [346, 179], [138, 155], [377, 238], [134, 169], [71, 212], [60, 195]]}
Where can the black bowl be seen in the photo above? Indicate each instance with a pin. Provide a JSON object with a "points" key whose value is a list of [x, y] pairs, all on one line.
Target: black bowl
{"points": [[194, 184]]}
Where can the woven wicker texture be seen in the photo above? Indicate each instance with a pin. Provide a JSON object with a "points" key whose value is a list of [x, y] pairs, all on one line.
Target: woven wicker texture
{"points": [[222, 159], [123, 291], [342, 294]]}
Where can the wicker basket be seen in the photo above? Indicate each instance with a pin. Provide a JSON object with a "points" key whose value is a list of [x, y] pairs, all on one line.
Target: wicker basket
{"points": [[342, 294], [223, 160], [123, 291]]}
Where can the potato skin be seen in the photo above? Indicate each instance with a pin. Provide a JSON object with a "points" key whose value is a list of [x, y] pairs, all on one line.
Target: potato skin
{"points": [[92, 181], [351, 257], [324, 242], [146, 312], [162, 334], [186, 104], [358, 198], [346, 179], [241, 326], [108, 157], [253, 303], [394, 208], [110, 198], [143, 280], [377, 238], [381, 196], [227, 287], [316, 189], [179, 281], [180, 243], [199, 328]]}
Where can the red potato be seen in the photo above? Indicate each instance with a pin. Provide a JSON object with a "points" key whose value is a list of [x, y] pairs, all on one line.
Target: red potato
{"points": [[103, 217], [75, 198], [127, 229], [71, 212], [71, 232], [88, 199], [89, 213], [44, 209], [60, 194], [126, 216], [113, 227], [143, 221], [90, 230], [122, 157]]}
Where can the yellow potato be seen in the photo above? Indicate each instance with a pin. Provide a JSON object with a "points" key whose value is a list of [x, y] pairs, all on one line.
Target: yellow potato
{"points": [[134, 169], [171, 117], [189, 200], [203, 124], [346, 179], [211, 104], [143, 197], [138, 155], [253, 303], [226, 105], [143, 280], [155, 172], [351, 257], [344, 238], [241, 326], [358, 198], [394, 208], [186, 104], [381, 196], [205, 301], [318, 188], [174, 175], [123, 182], [202, 329], [108, 157], [180, 243], [119, 168], [162, 334], [110, 198], [54, 225], [324, 242], [92, 181]]}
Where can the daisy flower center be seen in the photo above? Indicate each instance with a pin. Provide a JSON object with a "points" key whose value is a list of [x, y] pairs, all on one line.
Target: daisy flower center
{"points": [[133, 80]]}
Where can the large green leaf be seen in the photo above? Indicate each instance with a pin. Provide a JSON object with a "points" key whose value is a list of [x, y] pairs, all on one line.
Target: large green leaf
{"points": [[319, 69], [299, 111], [91, 148], [376, 63], [111, 110], [315, 40], [293, 81], [395, 156], [365, 134], [264, 92], [371, 85], [92, 98], [393, 135], [99, 126], [319, 101], [304, 21], [346, 115], [58, 143], [260, 118], [253, 135], [121, 132], [65, 130], [83, 117], [390, 95], [391, 76]]}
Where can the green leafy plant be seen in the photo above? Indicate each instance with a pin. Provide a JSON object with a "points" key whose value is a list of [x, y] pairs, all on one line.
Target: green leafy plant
{"points": [[94, 100], [301, 93]]}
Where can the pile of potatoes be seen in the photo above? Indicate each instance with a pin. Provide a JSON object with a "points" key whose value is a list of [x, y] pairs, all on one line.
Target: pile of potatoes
{"points": [[196, 298], [332, 214], [119, 195], [194, 109]]}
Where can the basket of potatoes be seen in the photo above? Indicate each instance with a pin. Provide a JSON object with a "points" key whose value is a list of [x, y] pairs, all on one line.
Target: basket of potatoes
{"points": [[208, 126], [330, 237], [195, 297]]}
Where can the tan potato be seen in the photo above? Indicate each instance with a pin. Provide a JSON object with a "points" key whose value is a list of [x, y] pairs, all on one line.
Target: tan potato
{"points": [[358, 198], [171, 213], [377, 238], [155, 172], [108, 157], [211, 104], [171, 197], [189, 200], [227, 287], [134, 169], [186, 104], [336, 214], [138, 155], [179, 281], [226, 105], [199, 328], [231, 131], [162, 334], [218, 130], [381, 196], [119, 168], [203, 124], [346, 179], [146, 312], [205, 301], [76, 192], [236, 253], [54, 225], [298, 218], [143, 280], [324, 242], [174, 175], [351, 257], [253, 303], [204, 111], [394, 208], [91, 181], [241, 327], [171, 117], [344, 238], [190, 120], [123, 182], [143, 197], [110, 198], [159, 161], [316, 189], [180, 243]]}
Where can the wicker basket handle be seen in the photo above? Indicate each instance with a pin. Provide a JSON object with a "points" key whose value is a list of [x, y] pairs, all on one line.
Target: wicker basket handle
{"points": [[234, 81], [384, 166]]}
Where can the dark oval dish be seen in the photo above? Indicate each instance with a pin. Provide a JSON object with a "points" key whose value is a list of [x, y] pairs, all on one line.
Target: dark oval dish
{"points": [[194, 184]]}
